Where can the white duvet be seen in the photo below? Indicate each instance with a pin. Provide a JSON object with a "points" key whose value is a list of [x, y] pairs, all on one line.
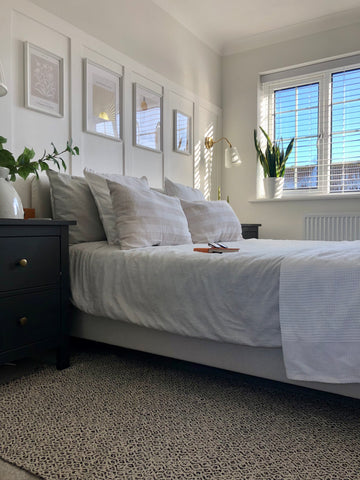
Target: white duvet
{"points": [[231, 297]]}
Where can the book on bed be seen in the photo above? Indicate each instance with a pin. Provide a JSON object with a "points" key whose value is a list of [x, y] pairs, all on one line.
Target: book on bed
{"points": [[215, 249]]}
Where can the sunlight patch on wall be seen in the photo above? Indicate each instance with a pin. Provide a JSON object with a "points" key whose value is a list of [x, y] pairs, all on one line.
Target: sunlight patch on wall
{"points": [[197, 163], [209, 160]]}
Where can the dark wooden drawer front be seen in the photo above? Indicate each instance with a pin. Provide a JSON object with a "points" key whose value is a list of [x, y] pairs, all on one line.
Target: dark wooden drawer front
{"points": [[250, 233], [40, 257], [250, 230], [25, 319]]}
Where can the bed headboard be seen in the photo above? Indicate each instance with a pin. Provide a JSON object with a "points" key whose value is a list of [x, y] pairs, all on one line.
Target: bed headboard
{"points": [[40, 197]]}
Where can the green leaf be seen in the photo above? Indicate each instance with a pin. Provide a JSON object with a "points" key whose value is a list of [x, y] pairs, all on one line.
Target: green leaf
{"points": [[25, 157], [56, 163], [63, 163], [6, 159], [2, 141], [24, 171], [43, 165], [55, 152]]}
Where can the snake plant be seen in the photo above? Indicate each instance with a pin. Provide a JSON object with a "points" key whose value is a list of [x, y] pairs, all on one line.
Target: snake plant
{"points": [[274, 158]]}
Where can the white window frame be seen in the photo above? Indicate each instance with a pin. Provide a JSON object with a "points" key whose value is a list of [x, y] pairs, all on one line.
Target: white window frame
{"points": [[266, 120]]}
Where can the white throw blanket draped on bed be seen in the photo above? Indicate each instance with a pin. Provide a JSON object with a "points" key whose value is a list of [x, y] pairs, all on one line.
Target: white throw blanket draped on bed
{"points": [[320, 313]]}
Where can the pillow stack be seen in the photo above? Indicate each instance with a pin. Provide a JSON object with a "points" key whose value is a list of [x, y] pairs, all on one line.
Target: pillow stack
{"points": [[126, 212]]}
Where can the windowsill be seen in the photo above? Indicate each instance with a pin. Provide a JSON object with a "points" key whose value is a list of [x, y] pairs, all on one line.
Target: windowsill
{"points": [[306, 198]]}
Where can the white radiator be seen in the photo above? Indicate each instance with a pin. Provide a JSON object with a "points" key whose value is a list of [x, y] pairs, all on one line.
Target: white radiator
{"points": [[332, 227]]}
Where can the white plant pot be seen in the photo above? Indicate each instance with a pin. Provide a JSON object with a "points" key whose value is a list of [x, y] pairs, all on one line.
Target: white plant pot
{"points": [[10, 202], [273, 187]]}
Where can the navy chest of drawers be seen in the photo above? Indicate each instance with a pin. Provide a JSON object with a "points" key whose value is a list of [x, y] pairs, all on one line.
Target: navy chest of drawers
{"points": [[34, 288]]}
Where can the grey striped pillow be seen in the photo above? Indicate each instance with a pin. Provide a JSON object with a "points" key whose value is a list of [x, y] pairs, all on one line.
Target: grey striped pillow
{"points": [[211, 221], [184, 192], [147, 218]]}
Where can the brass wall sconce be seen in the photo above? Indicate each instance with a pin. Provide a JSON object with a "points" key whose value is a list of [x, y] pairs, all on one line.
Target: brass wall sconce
{"points": [[232, 157]]}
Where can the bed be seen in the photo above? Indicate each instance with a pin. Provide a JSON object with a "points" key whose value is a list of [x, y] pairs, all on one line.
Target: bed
{"points": [[237, 311]]}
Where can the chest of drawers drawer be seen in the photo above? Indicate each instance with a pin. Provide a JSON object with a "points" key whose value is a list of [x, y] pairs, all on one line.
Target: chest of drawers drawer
{"points": [[29, 262], [250, 230], [28, 318]]}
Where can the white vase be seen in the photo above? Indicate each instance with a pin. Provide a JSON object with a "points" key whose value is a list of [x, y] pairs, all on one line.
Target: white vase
{"points": [[10, 202], [273, 187]]}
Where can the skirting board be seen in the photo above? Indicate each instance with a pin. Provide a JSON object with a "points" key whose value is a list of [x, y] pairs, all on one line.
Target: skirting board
{"points": [[257, 361]]}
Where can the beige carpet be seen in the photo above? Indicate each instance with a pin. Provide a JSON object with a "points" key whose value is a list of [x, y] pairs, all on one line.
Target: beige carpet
{"points": [[138, 417]]}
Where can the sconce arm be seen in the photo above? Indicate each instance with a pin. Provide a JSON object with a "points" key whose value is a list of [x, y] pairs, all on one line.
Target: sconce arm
{"points": [[209, 142]]}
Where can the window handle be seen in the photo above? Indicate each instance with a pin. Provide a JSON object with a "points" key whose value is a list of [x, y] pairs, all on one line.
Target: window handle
{"points": [[319, 139]]}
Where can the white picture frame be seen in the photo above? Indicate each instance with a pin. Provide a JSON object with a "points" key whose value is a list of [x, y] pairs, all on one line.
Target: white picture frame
{"points": [[44, 80], [182, 133], [102, 101], [147, 118]]}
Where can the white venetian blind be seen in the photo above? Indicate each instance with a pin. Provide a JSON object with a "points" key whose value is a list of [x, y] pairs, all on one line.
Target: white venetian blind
{"points": [[345, 131]]}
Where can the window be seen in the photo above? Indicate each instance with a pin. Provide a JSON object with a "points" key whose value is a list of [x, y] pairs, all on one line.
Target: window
{"points": [[321, 111]]}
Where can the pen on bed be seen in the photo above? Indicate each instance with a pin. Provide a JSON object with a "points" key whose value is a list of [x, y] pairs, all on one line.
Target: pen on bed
{"points": [[216, 245]]}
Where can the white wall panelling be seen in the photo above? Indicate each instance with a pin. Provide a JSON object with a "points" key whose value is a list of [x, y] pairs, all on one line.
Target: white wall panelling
{"points": [[146, 33], [101, 154], [178, 167], [30, 128], [6, 60], [24, 21], [143, 161]]}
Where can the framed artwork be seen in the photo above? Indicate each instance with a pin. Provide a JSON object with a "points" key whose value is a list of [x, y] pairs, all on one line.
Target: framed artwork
{"points": [[44, 81], [147, 118], [102, 101], [182, 133]]}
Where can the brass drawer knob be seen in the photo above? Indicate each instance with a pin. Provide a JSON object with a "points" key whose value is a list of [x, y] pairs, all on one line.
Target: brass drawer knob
{"points": [[23, 262], [23, 321]]}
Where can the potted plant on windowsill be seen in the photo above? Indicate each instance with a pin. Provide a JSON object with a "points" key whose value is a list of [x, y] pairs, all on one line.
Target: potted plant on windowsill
{"points": [[24, 165], [273, 162]]}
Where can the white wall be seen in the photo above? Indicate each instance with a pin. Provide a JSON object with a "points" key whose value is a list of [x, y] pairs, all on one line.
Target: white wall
{"points": [[240, 81], [166, 58], [144, 32]]}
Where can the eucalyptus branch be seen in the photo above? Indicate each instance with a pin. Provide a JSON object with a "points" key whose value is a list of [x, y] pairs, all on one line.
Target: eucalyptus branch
{"points": [[24, 164]]}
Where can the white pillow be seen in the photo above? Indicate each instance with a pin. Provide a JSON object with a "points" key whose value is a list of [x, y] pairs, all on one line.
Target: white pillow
{"points": [[146, 218], [182, 191], [71, 199], [100, 190], [211, 221]]}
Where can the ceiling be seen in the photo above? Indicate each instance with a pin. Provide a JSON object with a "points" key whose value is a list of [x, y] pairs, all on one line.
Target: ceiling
{"points": [[230, 26]]}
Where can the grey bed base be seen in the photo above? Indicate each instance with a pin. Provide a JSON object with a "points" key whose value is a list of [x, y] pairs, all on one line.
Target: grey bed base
{"points": [[257, 361]]}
